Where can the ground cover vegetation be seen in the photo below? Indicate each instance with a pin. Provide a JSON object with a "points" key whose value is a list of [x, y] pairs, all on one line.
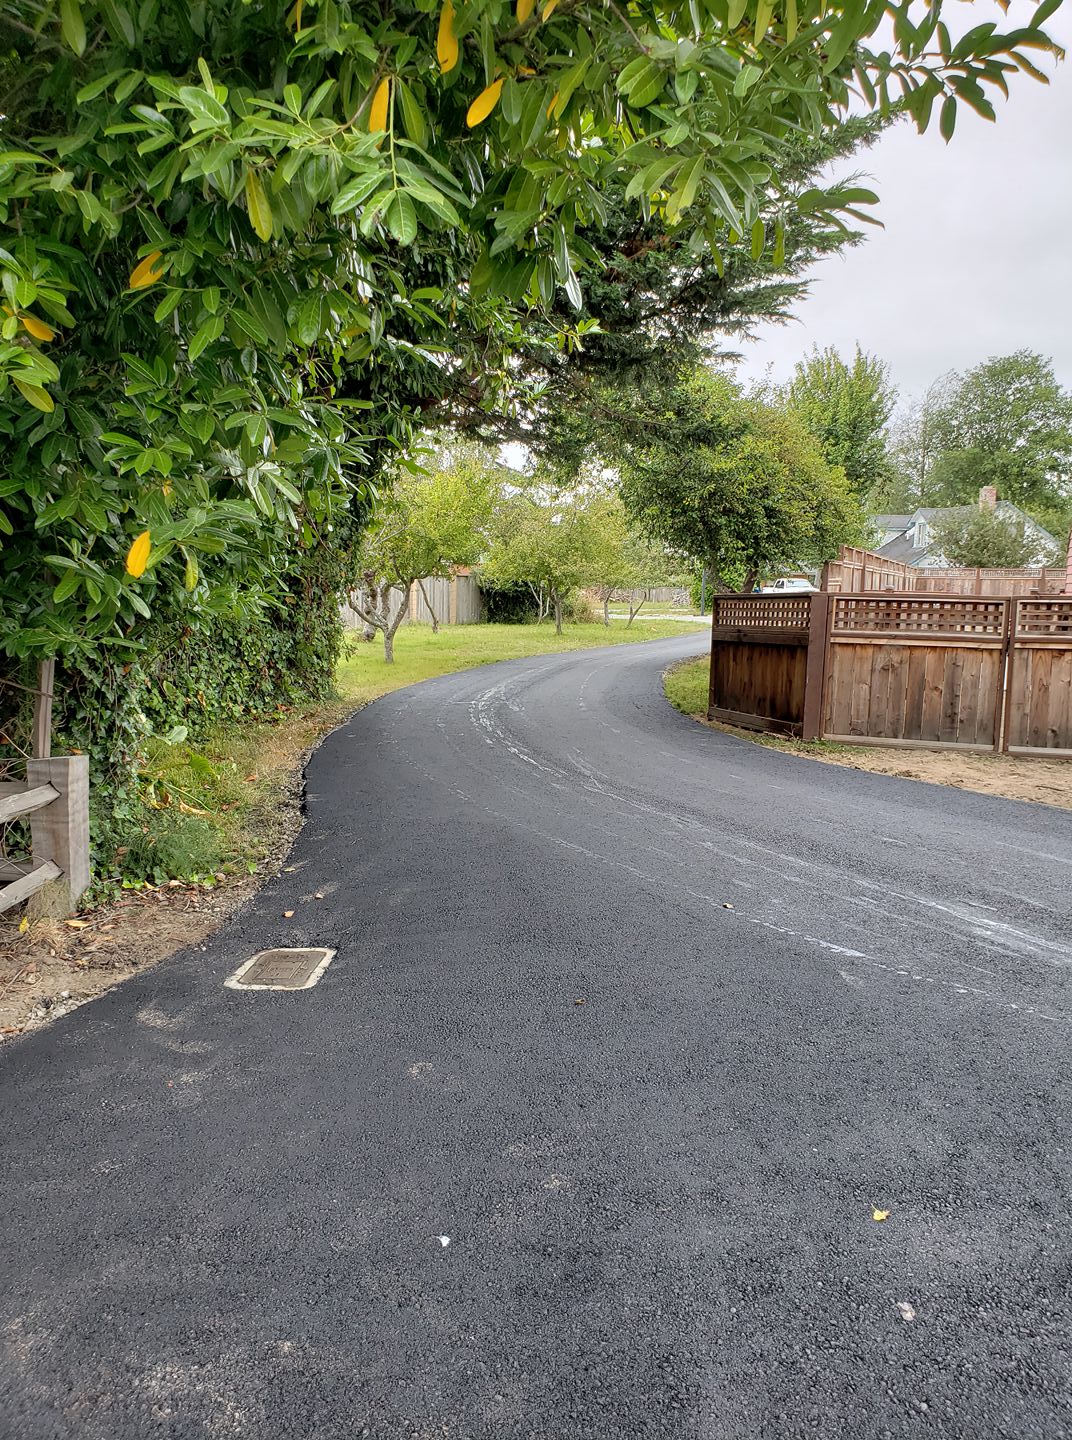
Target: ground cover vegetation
{"points": [[250, 252]]}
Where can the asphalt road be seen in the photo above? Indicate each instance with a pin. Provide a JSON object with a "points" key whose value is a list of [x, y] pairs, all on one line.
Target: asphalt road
{"points": [[224, 1213]]}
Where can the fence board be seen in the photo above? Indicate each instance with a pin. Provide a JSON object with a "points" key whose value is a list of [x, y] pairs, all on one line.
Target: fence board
{"points": [[856, 570], [1039, 697], [903, 669]]}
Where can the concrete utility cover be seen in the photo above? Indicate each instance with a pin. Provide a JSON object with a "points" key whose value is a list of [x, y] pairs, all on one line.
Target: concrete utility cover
{"points": [[285, 969]]}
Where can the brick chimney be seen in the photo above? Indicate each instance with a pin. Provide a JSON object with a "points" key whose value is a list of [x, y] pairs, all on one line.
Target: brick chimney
{"points": [[988, 497]]}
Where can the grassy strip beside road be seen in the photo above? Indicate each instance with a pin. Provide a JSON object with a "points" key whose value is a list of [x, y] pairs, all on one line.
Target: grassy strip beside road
{"points": [[1046, 782]]}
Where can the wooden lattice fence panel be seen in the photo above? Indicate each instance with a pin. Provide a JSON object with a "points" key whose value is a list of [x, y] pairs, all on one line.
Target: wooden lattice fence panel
{"points": [[916, 669], [1038, 710], [759, 660]]}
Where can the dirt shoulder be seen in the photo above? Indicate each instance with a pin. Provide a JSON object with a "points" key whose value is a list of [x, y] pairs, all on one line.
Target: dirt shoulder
{"points": [[1046, 782], [254, 801], [1016, 777], [49, 967]]}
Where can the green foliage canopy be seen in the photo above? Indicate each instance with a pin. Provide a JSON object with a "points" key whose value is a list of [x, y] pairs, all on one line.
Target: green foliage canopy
{"points": [[846, 406], [733, 482], [246, 243], [970, 535], [553, 537], [1006, 423]]}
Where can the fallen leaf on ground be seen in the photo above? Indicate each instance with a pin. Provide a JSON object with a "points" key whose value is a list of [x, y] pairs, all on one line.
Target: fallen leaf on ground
{"points": [[319, 895], [726, 905], [880, 1214], [907, 1311], [77, 924], [287, 914]]}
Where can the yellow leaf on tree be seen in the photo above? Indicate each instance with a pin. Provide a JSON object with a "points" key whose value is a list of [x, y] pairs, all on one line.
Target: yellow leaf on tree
{"points": [[258, 206], [38, 398], [880, 1214], [524, 10], [554, 102], [37, 328], [484, 104], [446, 40], [138, 555], [145, 272], [377, 115], [549, 9]]}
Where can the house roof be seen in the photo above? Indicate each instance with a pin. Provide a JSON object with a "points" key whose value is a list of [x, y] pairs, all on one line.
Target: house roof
{"points": [[900, 547]]}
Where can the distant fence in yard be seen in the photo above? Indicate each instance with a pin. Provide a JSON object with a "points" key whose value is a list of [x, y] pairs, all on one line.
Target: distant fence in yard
{"points": [[961, 672], [44, 804], [653, 595], [855, 570], [456, 601]]}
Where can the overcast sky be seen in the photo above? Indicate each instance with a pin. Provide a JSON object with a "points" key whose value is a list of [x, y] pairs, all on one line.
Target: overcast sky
{"points": [[976, 255]]}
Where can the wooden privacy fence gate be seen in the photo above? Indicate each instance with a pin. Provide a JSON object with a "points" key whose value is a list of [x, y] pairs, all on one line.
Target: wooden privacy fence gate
{"points": [[906, 669], [53, 795]]}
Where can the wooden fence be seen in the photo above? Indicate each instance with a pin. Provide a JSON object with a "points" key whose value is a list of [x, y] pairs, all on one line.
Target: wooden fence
{"points": [[451, 602], [856, 570], [916, 670], [44, 809]]}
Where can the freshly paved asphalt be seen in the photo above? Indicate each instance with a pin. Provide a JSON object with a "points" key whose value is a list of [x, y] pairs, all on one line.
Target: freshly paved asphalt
{"points": [[221, 1212]]}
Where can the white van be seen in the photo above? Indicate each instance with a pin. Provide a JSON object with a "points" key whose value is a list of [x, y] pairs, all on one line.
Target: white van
{"points": [[793, 584]]}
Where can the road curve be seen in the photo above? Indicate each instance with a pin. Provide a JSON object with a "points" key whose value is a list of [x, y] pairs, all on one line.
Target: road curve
{"points": [[645, 1021]]}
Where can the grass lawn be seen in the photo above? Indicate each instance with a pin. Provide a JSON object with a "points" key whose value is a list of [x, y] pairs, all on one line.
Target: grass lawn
{"points": [[419, 654], [686, 686], [218, 805]]}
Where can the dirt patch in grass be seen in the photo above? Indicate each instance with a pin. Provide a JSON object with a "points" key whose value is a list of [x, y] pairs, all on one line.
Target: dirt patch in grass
{"points": [[1016, 777]]}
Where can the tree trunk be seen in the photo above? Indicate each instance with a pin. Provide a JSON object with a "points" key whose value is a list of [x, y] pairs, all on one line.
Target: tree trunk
{"points": [[606, 608], [435, 618], [391, 626], [634, 611], [751, 578], [558, 612]]}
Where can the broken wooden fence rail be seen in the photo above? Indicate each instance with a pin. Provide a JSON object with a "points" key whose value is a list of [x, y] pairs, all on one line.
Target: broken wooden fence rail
{"points": [[54, 798]]}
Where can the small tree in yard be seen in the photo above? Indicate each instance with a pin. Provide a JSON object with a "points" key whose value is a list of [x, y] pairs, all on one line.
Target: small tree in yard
{"points": [[989, 539], [430, 523], [629, 562], [731, 481], [550, 540]]}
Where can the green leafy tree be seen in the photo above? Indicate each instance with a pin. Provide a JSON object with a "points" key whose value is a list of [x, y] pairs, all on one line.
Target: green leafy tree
{"points": [[553, 537], [428, 524], [732, 482], [917, 438], [628, 561], [1007, 423], [991, 539], [847, 407], [241, 234]]}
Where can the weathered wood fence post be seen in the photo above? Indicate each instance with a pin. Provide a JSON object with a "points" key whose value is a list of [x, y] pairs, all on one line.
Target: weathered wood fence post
{"points": [[55, 799], [815, 667]]}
